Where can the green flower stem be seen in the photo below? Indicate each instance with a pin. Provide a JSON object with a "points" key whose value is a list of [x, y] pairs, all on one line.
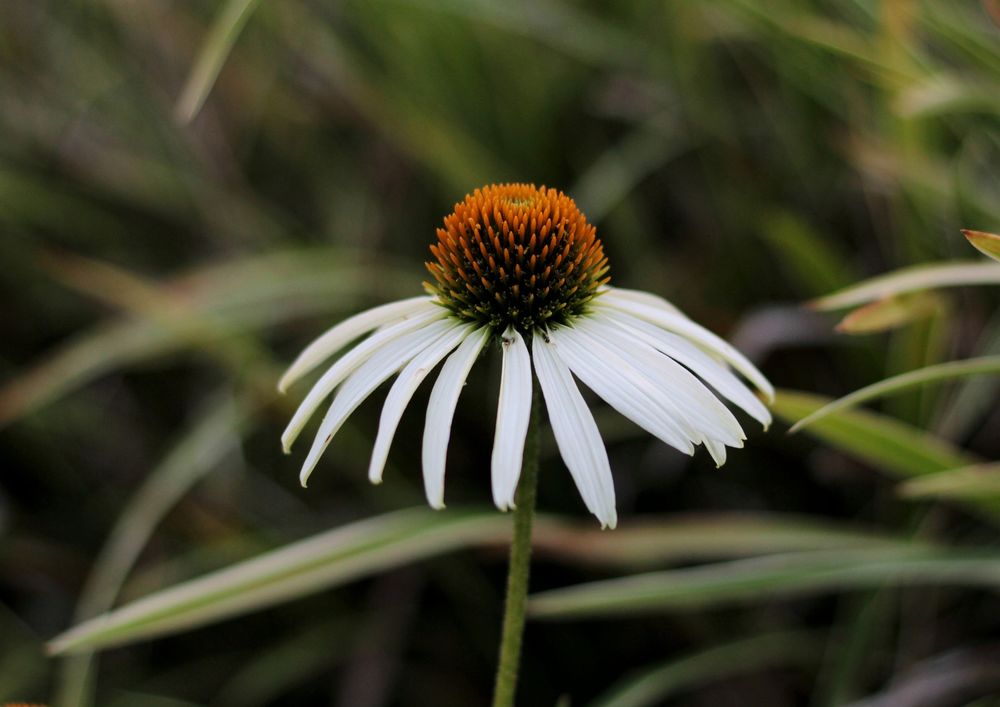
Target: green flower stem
{"points": [[520, 565]]}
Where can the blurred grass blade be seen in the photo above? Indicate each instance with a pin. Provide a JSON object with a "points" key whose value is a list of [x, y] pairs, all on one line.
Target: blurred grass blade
{"points": [[213, 54], [913, 279], [326, 560], [366, 547], [808, 256], [654, 686], [281, 665], [592, 39], [946, 94], [891, 313], [23, 665], [704, 536], [616, 173], [906, 381], [247, 294], [985, 243], [981, 481], [763, 579], [198, 452], [889, 445]]}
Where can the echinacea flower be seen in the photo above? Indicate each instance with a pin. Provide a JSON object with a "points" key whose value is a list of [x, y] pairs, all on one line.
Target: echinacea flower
{"points": [[519, 266]]}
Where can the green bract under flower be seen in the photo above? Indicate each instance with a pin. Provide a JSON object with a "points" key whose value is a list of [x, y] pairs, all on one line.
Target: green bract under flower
{"points": [[517, 255]]}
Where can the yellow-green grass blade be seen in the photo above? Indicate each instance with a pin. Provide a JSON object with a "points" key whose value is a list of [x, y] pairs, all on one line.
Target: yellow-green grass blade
{"points": [[213, 436], [217, 47], [887, 444], [244, 295], [766, 578], [985, 243], [892, 312], [985, 365], [322, 561], [807, 255], [979, 482], [912, 279], [646, 542], [366, 547], [655, 685]]}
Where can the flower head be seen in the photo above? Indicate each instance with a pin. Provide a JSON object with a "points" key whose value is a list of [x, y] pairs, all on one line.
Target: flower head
{"points": [[520, 266], [517, 255]]}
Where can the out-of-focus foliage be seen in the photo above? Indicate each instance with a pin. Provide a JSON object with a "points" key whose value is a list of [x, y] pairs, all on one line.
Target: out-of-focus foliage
{"points": [[190, 191]]}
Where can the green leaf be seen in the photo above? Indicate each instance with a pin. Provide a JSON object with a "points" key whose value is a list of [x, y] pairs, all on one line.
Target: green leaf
{"points": [[894, 447], [981, 481], [649, 542], [903, 382], [945, 94], [323, 561], [360, 549], [892, 312], [912, 279], [655, 685], [985, 243], [213, 54], [763, 579]]}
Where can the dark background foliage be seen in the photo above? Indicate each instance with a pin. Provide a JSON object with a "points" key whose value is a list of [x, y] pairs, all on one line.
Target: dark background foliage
{"points": [[737, 157]]}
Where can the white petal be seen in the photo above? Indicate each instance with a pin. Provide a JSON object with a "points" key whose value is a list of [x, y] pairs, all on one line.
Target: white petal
{"points": [[404, 388], [345, 332], [347, 363], [382, 364], [513, 414], [717, 450], [441, 410], [683, 351], [624, 388], [676, 322], [576, 433], [675, 385], [643, 297]]}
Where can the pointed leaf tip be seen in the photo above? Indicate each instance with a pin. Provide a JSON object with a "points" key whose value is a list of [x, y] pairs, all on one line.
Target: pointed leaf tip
{"points": [[986, 243], [890, 313]]}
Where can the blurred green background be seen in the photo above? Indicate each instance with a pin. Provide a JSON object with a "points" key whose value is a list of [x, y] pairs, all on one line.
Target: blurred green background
{"points": [[170, 241]]}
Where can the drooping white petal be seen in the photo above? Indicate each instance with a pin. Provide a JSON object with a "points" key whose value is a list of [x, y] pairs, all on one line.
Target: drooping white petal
{"points": [[513, 414], [441, 411], [626, 390], [576, 433], [675, 384], [404, 388], [717, 450], [369, 375], [350, 361], [714, 373], [345, 332], [643, 297], [676, 322]]}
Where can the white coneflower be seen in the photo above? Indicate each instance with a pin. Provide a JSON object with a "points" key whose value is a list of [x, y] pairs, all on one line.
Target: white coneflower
{"points": [[520, 265]]}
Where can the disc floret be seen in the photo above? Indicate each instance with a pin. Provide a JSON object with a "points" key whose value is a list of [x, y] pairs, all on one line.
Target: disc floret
{"points": [[517, 255]]}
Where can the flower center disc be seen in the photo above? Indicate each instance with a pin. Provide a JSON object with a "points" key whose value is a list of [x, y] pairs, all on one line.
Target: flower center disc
{"points": [[517, 255]]}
